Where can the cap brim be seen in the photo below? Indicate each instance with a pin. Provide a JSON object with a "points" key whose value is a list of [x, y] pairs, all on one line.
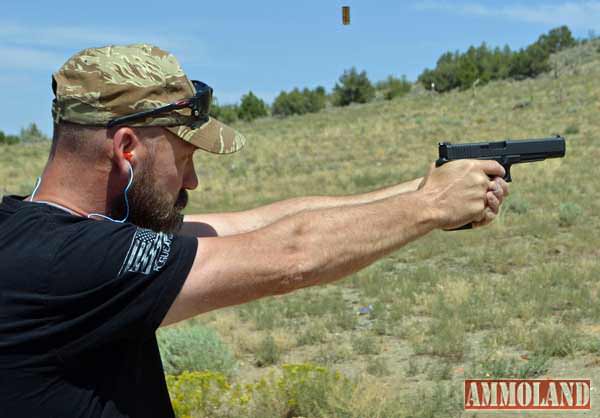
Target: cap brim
{"points": [[213, 136]]}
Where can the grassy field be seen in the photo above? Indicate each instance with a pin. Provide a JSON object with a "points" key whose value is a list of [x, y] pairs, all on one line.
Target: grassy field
{"points": [[518, 298]]}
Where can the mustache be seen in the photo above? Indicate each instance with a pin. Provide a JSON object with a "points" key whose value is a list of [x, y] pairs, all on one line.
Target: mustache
{"points": [[182, 200]]}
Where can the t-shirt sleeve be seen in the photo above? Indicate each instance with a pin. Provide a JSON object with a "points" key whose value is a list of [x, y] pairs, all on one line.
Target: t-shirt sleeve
{"points": [[113, 282]]}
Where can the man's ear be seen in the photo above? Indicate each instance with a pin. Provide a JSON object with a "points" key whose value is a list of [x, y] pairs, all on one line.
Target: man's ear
{"points": [[126, 144]]}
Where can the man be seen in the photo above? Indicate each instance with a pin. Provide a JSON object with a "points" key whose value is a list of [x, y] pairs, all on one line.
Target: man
{"points": [[99, 255]]}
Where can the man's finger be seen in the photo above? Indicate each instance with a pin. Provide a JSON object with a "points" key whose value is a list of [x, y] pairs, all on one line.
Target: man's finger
{"points": [[488, 217], [503, 184], [496, 188], [491, 168], [493, 202]]}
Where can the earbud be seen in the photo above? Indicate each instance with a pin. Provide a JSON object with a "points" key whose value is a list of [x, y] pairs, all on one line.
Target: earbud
{"points": [[127, 155]]}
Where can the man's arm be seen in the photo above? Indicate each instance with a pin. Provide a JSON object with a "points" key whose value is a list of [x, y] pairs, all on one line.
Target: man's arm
{"points": [[231, 223], [323, 245]]}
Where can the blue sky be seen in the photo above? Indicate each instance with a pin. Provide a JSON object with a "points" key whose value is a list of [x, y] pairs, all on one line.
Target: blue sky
{"points": [[264, 46]]}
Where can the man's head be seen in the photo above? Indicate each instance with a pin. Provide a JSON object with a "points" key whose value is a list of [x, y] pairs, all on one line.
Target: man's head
{"points": [[136, 99], [162, 163], [165, 172]]}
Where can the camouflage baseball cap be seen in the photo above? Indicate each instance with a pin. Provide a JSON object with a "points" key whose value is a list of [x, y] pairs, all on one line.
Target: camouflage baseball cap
{"points": [[100, 84]]}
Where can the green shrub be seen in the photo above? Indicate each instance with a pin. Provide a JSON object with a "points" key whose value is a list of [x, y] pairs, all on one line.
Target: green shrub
{"points": [[225, 113], [268, 353], [456, 70], [315, 333], [332, 353], [378, 366], [572, 130], [194, 348], [529, 62], [344, 319], [516, 204], [439, 371], [366, 344], [378, 311], [483, 64], [552, 339], [32, 134], [413, 367], [591, 345], [353, 87], [446, 333], [556, 40], [287, 104], [205, 394], [537, 365], [297, 390], [299, 102], [229, 113], [251, 107], [440, 401], [394, 87], [308, 389], [569, 213], [266, 313], [381, 326], [317, 98], [504, 367], [8, 139]]}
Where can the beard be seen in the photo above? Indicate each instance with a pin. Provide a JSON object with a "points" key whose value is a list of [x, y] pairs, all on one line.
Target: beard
{"points": [[150, 207]]}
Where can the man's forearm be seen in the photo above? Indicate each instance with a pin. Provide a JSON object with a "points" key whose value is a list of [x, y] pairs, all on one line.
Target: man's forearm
{"points": [[268, 214], [252, 219], [336, 242]]}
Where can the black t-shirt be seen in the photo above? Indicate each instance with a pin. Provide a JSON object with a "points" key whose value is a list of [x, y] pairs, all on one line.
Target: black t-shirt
{"points": [[80, 301]]}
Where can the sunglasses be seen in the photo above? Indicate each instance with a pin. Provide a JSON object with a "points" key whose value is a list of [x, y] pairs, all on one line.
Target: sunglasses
{"points": [[200, 105]]}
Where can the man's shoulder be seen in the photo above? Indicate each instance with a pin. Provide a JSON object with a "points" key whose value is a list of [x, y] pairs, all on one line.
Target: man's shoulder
{"points": [[40, 233], [15, 208]]}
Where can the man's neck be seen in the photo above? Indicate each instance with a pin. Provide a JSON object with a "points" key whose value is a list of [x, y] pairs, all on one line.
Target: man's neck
{"points": [[74, 190]]}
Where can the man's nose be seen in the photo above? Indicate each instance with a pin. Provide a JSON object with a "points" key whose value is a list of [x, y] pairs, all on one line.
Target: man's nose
{"points": [[190, 180]]}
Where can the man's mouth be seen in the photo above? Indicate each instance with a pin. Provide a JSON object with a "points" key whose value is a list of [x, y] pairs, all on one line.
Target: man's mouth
{"points": [[182, 200]]}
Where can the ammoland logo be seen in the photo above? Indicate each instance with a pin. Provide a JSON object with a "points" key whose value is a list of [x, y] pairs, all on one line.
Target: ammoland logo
{"points": [[530, 394]]}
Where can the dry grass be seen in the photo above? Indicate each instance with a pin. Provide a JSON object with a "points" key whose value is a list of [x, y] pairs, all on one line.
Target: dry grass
{"points": [[527, 285]]}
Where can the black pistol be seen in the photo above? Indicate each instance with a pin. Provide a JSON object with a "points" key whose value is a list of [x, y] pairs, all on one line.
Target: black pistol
{"points": [[507, 153]]}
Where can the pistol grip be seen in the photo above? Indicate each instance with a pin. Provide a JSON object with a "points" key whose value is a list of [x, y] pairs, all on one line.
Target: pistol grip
{"points": [[507, 177]]}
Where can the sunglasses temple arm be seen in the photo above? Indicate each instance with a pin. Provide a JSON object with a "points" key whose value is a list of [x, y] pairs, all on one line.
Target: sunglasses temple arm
{"points": [[145, 114]]}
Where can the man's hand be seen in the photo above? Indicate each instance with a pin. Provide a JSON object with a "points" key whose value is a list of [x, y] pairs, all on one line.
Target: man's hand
{"points": [[461, 192], [495, 195]]}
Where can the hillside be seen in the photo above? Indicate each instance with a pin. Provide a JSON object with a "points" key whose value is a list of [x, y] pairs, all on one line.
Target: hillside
{"points": [[519, 297]]}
